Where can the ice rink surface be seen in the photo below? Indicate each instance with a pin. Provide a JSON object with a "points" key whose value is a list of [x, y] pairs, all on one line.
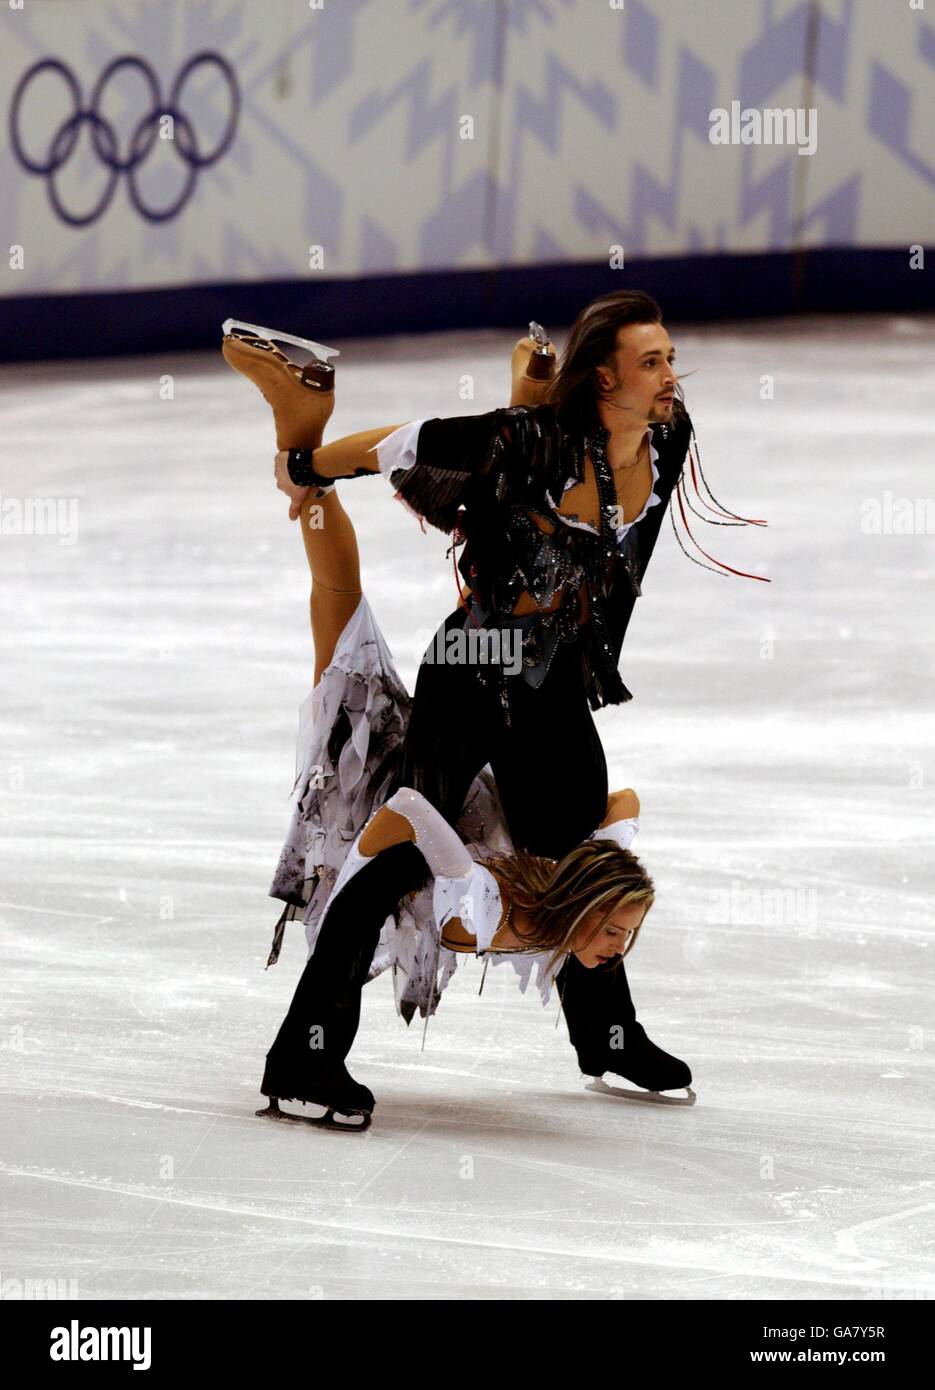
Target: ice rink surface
{"points": [[155, 653]]}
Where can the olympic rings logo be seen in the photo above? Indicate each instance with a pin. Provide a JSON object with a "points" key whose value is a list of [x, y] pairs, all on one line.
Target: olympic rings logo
{"points": [[105, 140]]}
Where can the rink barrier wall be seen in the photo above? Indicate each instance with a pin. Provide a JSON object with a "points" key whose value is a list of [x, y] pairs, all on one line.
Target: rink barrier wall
{"points": [[385, 166], [706, 288]]}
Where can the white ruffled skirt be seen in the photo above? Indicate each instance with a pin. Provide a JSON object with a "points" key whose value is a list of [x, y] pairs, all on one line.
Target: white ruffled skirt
{"points": [[351, 730]]}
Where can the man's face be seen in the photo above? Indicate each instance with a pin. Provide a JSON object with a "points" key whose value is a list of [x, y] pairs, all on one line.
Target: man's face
{"points": [[640, 378]]}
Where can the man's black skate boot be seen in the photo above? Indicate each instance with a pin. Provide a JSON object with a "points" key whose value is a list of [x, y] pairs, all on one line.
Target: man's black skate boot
{"points": [[604, 1031], [307, 1060], [320, 1084]]}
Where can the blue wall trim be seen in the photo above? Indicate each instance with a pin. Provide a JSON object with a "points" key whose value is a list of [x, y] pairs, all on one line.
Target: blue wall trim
{"points": [[693, 288]]}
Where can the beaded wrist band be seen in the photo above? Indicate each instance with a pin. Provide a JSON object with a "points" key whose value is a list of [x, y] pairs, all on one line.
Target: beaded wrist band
{"points": [[299, 465], [301, 471]]}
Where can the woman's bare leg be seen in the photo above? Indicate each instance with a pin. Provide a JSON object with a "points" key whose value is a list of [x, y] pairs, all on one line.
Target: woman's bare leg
{"points": [[334, 561]]}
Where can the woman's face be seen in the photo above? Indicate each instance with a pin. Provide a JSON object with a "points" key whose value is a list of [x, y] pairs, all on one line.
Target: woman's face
{"points": [[611, 940]]}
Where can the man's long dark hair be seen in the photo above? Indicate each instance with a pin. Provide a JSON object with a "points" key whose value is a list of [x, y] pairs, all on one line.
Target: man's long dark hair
{"points": [[574, 395], [592, 342]]}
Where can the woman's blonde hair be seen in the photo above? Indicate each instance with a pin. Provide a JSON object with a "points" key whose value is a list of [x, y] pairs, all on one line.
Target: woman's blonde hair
{"points": [[560, 894]]}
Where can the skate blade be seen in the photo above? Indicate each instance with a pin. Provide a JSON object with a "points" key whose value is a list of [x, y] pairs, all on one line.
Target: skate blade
{"points": [[598, 1084], [329, 1119], [273, 335]]}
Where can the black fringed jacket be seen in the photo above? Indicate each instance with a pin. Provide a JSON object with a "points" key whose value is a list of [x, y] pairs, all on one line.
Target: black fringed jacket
{"points": [[479, 474]]}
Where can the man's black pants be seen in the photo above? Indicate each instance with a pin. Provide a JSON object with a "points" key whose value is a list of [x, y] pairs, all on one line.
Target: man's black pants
{"points": [[549, 765]]}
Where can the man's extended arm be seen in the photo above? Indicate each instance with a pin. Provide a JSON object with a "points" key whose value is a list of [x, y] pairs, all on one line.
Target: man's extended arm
{"points": [[342, 458], [430, 463], [433, 472]]}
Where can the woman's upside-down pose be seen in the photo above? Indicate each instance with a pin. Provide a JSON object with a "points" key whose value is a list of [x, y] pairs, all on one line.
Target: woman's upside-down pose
{"points": [[560, 530]]}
